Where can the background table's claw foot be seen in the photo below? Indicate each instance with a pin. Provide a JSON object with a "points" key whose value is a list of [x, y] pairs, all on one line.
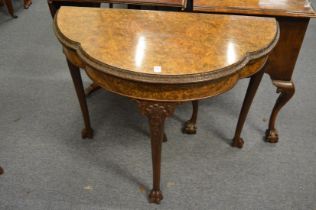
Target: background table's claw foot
{"points": [[1, 170], [189, 128], [238, 142], [87, 133], [155, 196], [272, 136], [27, 4]]}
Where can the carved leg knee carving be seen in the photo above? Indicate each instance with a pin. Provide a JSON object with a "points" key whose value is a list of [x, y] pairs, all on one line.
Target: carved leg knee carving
{"points": [[286, 90], [87, 132], [156, 113], [190, 125], [251, 92]]}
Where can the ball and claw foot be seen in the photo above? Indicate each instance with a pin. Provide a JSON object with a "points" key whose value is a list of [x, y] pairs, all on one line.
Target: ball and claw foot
{"points": [[155, 196], [87, 133], [189, 128], [27, 4], [272, 136], [238, 142]]}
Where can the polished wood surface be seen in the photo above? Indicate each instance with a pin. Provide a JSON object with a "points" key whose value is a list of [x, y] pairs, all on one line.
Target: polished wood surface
{"points": [[123, 59], [163, 44], [288, 8]]}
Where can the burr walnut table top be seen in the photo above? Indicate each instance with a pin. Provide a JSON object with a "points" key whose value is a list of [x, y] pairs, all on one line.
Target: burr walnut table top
{"points": [[148, 54], [289, 8], [161, 47]]}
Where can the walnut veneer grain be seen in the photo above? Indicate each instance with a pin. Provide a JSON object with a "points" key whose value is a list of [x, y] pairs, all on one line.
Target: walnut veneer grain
{"points": [[160, 47]]}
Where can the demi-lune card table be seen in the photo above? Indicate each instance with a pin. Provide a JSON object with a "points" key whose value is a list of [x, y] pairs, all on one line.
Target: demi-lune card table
{"points": [[293, 17], [159, 60]]}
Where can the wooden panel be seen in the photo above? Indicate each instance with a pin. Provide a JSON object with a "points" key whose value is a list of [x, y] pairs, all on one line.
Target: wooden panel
{"points": [[289, 8]]}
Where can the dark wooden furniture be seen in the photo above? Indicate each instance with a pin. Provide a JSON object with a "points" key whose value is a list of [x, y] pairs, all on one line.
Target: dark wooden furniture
{"points": [[54, 5], [160, 61], [1, 170], [9, 5], [293, 17]]}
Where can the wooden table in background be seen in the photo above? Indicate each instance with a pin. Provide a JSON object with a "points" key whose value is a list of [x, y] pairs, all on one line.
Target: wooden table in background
{"points": [[9, 5], [160, 61], [54, 5], [293, 17]]}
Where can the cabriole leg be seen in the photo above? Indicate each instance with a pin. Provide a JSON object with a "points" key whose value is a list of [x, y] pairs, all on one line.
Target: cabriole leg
{"points": [[87, 132], [190, 125], [286, 90], [251, 92], [156, 113]]}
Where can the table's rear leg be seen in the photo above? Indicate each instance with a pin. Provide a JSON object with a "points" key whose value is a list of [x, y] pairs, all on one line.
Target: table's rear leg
{"points": [[251, 92], [156, 113], [1, 170], [87, 132], [189, 126], [286, 90]]}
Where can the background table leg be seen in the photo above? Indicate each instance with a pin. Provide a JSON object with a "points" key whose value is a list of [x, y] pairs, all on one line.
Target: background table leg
{"points": [[156, 113], [287, 90], [281, 65], [1, 170], [87, 132], [251, 92], [9, 5], [189, 126]]}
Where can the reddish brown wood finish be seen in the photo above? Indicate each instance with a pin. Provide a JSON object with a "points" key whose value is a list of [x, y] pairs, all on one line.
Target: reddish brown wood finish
{"points": [[156, 112], [87, 131], [251, 91], [286, 90]]}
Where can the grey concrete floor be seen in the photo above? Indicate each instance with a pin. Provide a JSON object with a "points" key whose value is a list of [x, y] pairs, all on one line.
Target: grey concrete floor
{"points": [[48, 166]]}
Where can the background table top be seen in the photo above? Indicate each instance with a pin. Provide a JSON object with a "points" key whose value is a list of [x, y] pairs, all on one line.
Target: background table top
{"points": [[290, 8], [173, 3], [165, 43]]}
